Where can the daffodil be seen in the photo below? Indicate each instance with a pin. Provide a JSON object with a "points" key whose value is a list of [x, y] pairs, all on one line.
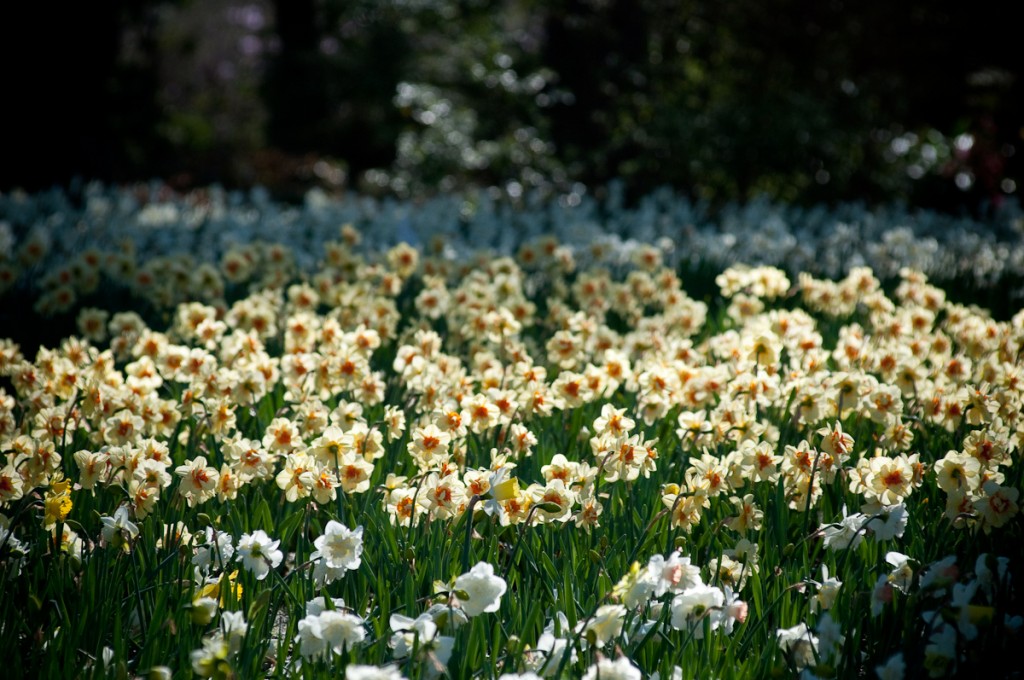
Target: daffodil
{"points": [[57, 503], [619, 669], [338, 550], [119, 531], [259, 553], [479, 590]]}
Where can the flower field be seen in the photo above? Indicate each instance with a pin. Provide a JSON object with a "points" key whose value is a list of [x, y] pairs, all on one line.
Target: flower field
{"points": [[327, 440]]}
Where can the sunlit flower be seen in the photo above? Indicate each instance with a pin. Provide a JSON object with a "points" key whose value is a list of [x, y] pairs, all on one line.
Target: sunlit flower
{"points": [[589, 514], [338, 550], [479, 590], [340, 630], [354, 473], [619, 669], [57, 503], [282, 436], [445, 496], [604, 625], [696, 604], [361, 672], [613, 421], [554, 501], [686, 510], [748, 517], [298, 477], [198, 480], [636, 587], [429, 444], [480, 414], [259, 553]]}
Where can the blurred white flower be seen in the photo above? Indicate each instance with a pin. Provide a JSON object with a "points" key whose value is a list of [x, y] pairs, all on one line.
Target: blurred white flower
{"points": [[828, 590], [799, 644], [619, 669], [234, 626], [605, 624], [847, 534], [359, 672], [893, 669], [692, 606]]}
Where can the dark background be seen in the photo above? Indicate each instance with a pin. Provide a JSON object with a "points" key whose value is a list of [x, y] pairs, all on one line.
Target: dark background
{"points": [[802, 101]]}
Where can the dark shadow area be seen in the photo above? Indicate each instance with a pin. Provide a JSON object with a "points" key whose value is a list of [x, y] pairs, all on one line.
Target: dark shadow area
{"points": [[799, 101]]}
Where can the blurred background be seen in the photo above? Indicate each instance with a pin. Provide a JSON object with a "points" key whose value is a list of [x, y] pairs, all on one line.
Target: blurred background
{"points": [[823, 101]]}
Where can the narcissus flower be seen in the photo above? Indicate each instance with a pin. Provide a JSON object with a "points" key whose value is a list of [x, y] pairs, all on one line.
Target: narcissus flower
{"points": [[421, 634], [118, 531], [605, 624], [329, 631], [674, 573], [359, 672], [828, 591], [847, 534], [198, 481], [619, 669], [234, 626], [887, 522], [337, 551], [203, 610], [57, 503], [258, 553], [211, 660], [893, 669], [693, 605], [799, 644], [636, 587], [216, 550], [479, 590], [997, 506]]}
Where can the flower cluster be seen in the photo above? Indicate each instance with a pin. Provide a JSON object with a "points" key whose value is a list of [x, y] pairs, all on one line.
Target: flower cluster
{"points": [[295, 458], [238, 239]]}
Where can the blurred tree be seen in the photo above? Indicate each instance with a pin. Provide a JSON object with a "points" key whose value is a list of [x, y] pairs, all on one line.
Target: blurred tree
{"points": [[799, 100], [328, 87], [795, 99], [211, 72]]}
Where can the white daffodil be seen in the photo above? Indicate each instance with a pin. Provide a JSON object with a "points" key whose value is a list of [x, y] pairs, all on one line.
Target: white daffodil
{"points": [[479, 590], [259, 553], [118, 531], [693, 605], [619, 669], [339, 550]]}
